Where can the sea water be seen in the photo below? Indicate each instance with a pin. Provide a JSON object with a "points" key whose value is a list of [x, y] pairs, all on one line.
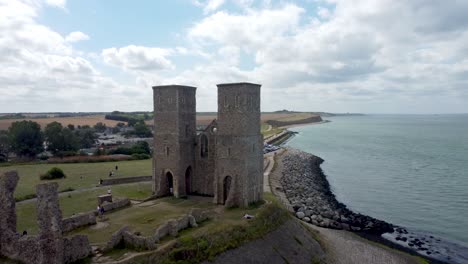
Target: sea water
{"points": [[409, 170]]}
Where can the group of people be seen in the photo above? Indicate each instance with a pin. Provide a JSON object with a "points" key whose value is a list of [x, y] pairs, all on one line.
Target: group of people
{"points": [[100, 209], [111, 173]]}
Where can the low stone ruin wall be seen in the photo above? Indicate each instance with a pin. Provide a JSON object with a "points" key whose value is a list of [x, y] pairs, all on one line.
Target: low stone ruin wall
{"points": [[116, 204], [114, 181], [170, 227], [78, 220], [89, 218], [49, 246]]}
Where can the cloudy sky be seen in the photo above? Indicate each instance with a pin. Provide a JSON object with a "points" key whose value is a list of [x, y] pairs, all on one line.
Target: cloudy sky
{"points": [[374, 56]]}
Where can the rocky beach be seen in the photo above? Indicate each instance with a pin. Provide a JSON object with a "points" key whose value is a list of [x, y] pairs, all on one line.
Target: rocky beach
{"points": [[308, 191]]}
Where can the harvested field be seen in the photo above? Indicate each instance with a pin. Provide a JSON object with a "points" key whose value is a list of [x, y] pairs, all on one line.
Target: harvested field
{"points": [[92, 120], [79, 120]]}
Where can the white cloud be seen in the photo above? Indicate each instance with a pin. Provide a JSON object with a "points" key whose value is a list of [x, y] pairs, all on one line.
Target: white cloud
{"points": [[391, 52], [362, 56], [57, 3], [138, 58], [76, 36]]}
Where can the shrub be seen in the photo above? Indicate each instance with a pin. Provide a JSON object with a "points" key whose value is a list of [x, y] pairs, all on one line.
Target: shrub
{"points": [[140, 156], [53, 173], [43, 157]]}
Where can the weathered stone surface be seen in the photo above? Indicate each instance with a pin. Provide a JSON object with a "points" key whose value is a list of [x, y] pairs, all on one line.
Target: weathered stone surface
{"points": [[104, 198], [116, 204], [76, 248], [170, 227], [49, 247], [192, 221], [225, 160], [49, 220], [162, 231], [300, 215], [8, 182], [199, 214], [78, 220], [116, 238]]}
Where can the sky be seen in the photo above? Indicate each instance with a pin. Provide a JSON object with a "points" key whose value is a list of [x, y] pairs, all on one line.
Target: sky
{"points": [[366, 56]]}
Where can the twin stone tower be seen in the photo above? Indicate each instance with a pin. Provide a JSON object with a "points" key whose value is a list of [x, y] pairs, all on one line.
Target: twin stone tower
{"points": [[223, 160]]}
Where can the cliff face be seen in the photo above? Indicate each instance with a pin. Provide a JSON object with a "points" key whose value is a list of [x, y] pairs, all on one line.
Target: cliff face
{"points": [[312, 119]]}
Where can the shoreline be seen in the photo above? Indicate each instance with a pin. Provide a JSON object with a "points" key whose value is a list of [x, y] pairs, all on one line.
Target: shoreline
{"points": [[311, 188]]}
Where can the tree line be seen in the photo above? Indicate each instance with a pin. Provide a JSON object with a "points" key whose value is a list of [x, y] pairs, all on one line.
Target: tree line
{"points": [[26, 139]]}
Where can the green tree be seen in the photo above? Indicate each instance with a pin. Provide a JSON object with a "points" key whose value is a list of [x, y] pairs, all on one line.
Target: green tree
{"points": [[4, 145], [60, 139], [26, 139], [86, 137], [100, 127], [142, 130]]}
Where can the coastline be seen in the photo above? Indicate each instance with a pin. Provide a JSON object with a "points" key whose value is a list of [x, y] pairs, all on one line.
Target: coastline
{"points": [[309, 196]]}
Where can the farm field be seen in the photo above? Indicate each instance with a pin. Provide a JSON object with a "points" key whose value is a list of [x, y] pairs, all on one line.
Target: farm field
{"points": [[92, 120], [79, 175]]}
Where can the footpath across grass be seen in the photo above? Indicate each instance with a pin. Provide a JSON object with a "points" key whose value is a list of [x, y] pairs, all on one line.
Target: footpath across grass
{"points": [[82, 201], [79, 175]]}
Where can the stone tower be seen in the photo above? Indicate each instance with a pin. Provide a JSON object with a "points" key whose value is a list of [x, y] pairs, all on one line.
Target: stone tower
{"points": [[239, 145], [174, 139]]}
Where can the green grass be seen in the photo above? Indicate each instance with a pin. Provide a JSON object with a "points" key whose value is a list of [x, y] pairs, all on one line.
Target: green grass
{"points": [[78, 202], [145, 217], [79, 175], [218, 238], [294, 117], [273, 131]]}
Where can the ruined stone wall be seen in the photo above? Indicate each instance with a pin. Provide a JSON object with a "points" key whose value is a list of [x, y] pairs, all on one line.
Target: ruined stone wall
{"points": [[78, 220], [205, 154], [125, 180], [168, 228], [174, 138], [49, 246], [239, 144]]}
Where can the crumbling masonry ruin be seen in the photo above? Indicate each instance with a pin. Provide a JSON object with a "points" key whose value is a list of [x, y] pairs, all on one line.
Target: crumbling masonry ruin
{"points": [[49, 246], [225, 160]]}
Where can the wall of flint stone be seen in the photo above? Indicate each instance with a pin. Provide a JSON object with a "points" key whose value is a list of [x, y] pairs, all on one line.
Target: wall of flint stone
{"points": [[115, 181], [78, 220], [89, 218], [170, 227], [49, 246]]}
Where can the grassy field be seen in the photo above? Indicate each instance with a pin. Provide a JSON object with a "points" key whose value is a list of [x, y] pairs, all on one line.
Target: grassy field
{"points": [[295, 116], [73, 203], [79, 175], [271, 132]]}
